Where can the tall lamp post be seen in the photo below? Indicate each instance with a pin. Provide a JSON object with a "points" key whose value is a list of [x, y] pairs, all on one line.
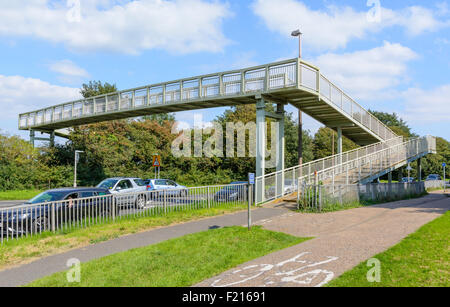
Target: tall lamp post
{"points": [[77, 158], [298, 34]]}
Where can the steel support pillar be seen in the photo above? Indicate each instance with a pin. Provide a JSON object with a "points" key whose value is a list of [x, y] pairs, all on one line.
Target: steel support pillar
{"points": [[390, 177], [419, 170], [260, 148], [280, 143], [52, 139], [339, 144], [32, 137]]}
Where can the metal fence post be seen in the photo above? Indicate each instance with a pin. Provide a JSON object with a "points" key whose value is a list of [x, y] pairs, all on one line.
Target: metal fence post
{"points": [[208, 198], [249, 206], [165, 202], [53, 222], [113, 205]]}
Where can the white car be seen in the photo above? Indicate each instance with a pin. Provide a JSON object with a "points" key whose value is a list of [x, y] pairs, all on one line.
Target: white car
{"points": [[128, 188]]}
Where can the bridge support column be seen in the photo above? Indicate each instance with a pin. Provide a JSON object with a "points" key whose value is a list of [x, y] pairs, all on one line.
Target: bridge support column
{"points": [[260, 148], [419, 170], [32, 137], [390, 177], [280, 143], [339, 144], [52, 139]]}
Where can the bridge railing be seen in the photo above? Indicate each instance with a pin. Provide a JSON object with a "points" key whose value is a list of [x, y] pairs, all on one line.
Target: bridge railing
{"points": [[276, 185], [243, 82], [293, 73]]}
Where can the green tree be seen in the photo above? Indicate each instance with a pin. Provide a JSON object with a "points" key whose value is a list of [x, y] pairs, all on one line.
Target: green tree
{"points": [[393, 121], [323, 143], [95, 88]]}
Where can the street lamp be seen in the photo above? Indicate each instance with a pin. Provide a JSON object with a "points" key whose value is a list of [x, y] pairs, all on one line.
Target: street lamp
{"points": [[77, 157], [298, 34]]}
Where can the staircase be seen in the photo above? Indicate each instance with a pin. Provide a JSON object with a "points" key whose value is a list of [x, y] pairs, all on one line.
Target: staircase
{"points": [[362, 165]]}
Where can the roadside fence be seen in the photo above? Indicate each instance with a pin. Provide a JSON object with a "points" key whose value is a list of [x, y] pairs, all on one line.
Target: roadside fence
{"points": [[325, 197], [59, 216]]}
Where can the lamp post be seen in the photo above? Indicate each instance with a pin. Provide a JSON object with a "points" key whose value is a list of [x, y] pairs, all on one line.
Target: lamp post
{"points": [[298, 34], [77, 157]]}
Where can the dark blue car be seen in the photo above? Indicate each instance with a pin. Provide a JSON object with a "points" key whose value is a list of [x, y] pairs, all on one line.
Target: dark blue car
{"points": [[235, 191], [61, 205]]}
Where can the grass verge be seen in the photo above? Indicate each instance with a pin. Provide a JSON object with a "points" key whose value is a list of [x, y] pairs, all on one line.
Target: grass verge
{"points": [[333, 206], [19, 195], [25, 250], [180, 262], [420, 260]]}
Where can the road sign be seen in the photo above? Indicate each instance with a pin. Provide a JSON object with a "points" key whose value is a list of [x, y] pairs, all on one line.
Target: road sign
{"points": [[444, 164], [156, 161], [251, 178]]}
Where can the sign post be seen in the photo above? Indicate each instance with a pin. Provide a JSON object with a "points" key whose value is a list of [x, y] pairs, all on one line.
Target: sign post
{"points": [[251, 183], [444, 165], [157, 164]]}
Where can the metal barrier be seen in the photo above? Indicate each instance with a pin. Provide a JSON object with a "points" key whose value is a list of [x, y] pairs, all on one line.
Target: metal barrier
{"points": [[435, 184], [30, 220], [346, 168], [325, 197]]}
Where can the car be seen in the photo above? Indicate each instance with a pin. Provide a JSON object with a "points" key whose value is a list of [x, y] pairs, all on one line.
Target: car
{"points": [[67, 204], [408, 180], [169, 187], [234, 191], [129, 191], [433, 177], [289, 188]]}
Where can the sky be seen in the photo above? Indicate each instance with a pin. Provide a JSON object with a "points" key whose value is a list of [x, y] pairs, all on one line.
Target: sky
{"points": [[390, 56]]}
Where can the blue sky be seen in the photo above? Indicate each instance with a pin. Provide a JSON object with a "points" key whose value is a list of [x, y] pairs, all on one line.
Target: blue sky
{"points": [[398, 62]]}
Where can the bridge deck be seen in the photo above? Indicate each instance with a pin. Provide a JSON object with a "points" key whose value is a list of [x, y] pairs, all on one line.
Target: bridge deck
{"points": [[292, 81]]}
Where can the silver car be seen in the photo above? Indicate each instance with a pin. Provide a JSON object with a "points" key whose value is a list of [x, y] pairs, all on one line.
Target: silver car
{"points": [[128, 188], [170, 187]]}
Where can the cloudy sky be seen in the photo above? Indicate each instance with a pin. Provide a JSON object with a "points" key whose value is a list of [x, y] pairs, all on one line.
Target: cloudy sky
{"points": [[395, 59]]}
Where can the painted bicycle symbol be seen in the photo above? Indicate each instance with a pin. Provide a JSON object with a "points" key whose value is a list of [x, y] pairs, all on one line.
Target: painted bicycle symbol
{"points": [[298, 270]]}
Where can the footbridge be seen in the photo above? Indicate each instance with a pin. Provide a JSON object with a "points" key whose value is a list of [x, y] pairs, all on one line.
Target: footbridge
{"points": [[294, 82]]}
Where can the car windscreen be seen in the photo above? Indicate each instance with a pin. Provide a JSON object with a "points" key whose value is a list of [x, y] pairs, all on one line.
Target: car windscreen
{"points": [[107, 184], [140, 182], [47, 197]]}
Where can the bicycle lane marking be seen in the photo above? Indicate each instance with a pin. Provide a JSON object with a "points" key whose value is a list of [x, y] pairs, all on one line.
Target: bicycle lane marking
{"points": [[299, 270]]}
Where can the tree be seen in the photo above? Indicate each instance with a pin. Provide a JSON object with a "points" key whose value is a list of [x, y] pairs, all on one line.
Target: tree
{"points": [[323, 143], [160, 118], [95, 88], [393, 121]]}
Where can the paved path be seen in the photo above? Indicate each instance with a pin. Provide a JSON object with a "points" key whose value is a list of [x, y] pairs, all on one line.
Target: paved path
{"points": [[342, 241], [52, 264]]}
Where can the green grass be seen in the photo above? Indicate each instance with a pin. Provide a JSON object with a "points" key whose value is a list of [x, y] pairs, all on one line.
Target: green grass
{"points": [[420, 260], [178, 262], [19, 195], [24, 250], [335, 206]]}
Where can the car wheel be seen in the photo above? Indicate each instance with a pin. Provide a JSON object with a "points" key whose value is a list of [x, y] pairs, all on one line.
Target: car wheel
{"points": [[39, 224], [140, 202]]}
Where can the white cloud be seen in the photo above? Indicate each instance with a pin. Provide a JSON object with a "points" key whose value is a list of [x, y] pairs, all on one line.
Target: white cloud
{"points": [[179, 26], [68, 71], [19, 95], [427, 106], [335, 26], [369, 74]]}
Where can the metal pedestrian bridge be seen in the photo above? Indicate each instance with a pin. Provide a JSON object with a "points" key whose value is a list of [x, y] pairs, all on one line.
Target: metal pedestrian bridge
{"points": [[294, 82]]}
